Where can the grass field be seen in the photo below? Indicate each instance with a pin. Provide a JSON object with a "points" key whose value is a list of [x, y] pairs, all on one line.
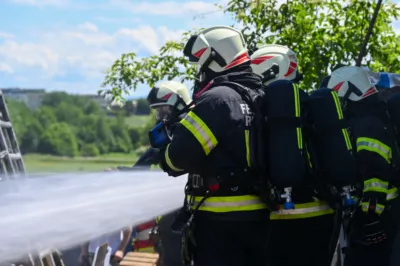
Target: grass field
{"points": [[136, 121], [36, 163]]}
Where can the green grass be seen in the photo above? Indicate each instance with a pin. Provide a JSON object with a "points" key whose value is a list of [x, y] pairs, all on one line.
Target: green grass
{"points": [[136, 121], [36, 163]]}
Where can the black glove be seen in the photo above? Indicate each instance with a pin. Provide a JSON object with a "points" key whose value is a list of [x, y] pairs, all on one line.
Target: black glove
{"points": [[373, 229], [367, 229]]}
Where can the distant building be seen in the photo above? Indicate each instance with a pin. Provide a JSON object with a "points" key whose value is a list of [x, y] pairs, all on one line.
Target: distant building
{"points": [[101, 100], [31, 97]]}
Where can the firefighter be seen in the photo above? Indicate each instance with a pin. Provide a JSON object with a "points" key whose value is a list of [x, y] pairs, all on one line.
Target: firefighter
{"points": [[227, 220], [374, 226], [301, 230], [167, 99]]}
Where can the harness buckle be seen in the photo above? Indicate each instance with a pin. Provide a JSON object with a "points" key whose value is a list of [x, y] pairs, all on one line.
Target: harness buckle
{"points": [[197, 181]]}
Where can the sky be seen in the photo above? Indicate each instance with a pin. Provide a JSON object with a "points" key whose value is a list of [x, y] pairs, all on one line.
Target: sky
{"points": [[66, 45]]}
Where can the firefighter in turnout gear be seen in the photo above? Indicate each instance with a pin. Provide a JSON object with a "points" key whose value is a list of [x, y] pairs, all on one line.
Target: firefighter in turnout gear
{"points": [[226, 221], [168, 99], [374, 225], [301, 230]]}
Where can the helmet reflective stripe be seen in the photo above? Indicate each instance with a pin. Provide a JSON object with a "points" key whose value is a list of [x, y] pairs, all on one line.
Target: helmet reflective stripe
{"points": [[351, 77], [266, 57], [217, 48], [170, 93]]}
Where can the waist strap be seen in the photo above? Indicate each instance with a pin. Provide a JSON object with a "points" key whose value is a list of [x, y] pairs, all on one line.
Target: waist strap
{"points": [[304, 210], [228, 203]]}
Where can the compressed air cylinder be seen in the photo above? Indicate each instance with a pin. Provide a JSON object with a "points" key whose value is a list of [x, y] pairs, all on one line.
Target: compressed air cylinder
{"points": [[331, 140], [284, 145], [393, 107]]}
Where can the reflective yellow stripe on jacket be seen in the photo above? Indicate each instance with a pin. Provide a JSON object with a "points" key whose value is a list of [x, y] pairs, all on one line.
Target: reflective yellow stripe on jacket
{"points": [[376, 185], [169, 162], [340, 116], [392, 193], [200, 131], [376, 146], [228, 203], [303, 210], [297, 113]]}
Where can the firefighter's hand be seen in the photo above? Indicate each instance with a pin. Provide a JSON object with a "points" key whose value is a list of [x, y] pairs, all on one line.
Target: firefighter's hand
{"points": [[367, 229], [118, 256], [374, 231]]}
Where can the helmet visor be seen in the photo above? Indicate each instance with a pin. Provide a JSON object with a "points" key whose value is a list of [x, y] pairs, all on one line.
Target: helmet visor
{"points": [[187, 50]]}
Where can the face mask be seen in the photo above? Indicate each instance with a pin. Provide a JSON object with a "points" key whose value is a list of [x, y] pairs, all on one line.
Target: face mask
{"points": [[163, 112]]}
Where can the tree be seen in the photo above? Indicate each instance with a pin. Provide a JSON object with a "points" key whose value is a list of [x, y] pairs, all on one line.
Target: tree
{"points": [[45, 116], [19, 115], [142, 107], [59, 139], [30, 141], [323, 34], [90, 150]]}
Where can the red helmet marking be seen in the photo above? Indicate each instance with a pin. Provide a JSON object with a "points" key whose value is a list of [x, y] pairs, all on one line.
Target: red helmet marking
{"points": [[166, 97], [238, 60], [200, 52], [260, 59], [338, 86]]}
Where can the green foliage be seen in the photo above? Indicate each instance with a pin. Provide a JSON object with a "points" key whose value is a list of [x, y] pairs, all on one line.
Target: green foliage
{"points": [[71, 125], [323, 33], [90, 150], [142, 107], [59, 139]]}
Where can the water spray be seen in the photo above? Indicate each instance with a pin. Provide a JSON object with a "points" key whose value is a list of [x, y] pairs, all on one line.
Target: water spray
{"points": [[62, 211]]}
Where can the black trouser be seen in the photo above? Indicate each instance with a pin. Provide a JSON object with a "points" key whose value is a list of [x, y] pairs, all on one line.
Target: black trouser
{"points": [[300, 242], [380, 253], [170, 241], [230, 243]]}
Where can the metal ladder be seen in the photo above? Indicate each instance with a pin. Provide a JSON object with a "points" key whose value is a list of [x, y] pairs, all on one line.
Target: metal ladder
{"points": [[11, 162], [12, 167]]}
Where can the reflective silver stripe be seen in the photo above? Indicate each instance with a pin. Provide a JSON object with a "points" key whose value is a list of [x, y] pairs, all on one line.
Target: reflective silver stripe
{"points": [[202, 133], [379, 208], [230, 204], [392, 195], [375, 146], [375, 184], [302, 210]]}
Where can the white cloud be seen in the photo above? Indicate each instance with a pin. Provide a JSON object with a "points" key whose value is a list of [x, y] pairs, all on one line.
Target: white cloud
{"points": [[171, 8], [59, 3], [88, 26], [119, 20], [6, 68], [5, 35], [29, 54], [77, 55]]}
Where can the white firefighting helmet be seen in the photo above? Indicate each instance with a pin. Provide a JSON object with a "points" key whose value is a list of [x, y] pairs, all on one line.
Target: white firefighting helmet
{"points": [[217, 48], [351, 82], [273, 62], [167, 97]]}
